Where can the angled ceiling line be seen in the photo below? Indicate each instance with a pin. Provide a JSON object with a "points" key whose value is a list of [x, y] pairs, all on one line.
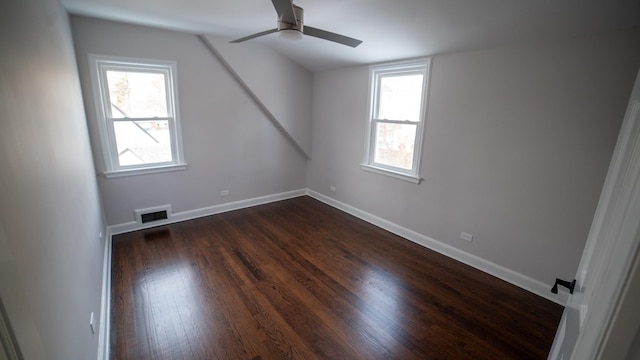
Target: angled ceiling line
{"points": [[253, 96]]}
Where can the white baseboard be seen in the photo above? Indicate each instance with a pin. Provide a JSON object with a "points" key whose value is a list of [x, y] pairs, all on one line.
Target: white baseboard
{"points": [[206, 211], [105, 304], [510, 276]]}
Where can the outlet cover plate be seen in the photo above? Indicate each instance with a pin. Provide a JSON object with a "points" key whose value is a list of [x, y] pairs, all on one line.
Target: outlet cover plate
{"points": [[466, 237]]}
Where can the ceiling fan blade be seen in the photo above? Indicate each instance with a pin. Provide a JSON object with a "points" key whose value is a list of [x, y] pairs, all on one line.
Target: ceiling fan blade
{"points": [[327, 35], [266, 32], [284, 8]]}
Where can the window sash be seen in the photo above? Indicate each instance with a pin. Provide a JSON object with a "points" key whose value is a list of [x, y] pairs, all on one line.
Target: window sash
{"points": [[374, 142], [385, 74], [376, 75], [409, 122], [168, 118], [107, 122], [165, 70], [116, 154]]}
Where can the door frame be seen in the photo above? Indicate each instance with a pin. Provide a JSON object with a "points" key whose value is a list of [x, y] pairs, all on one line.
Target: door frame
{"points": [[607, 263]]}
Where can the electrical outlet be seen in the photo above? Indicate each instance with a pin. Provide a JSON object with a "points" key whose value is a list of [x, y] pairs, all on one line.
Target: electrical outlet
{"points": [[466, 237], [93, 331], [224, 193], [332, 188]]}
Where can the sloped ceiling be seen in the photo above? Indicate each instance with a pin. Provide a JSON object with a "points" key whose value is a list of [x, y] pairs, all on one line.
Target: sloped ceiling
{"points": [[390, 29]]}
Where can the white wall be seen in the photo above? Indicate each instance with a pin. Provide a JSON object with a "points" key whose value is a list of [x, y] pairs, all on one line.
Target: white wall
{"points": [[228, 142], [50, 212], [518, 141], [283, 86]]}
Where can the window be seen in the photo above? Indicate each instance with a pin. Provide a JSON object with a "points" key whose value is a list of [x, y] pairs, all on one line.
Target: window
{"points": [[396, 119], [137, 115]]}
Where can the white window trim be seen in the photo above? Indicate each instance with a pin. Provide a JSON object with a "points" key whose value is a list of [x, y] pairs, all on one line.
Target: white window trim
{"points": [[414, 66], [105, 130], [144, 171]]}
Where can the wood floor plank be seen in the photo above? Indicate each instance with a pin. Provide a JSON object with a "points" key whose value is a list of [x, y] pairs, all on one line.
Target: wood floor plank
{"points": [[298, 279]]}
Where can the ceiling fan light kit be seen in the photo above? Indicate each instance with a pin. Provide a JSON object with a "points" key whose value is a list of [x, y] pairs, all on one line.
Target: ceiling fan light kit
{"points": [[291, 26], [290, 34]]}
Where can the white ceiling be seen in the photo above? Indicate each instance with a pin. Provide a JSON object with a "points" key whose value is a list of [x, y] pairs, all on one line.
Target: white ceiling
{"points": [[390, 29]]}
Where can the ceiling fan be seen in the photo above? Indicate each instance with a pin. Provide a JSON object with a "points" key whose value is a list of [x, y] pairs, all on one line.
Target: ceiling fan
{"points": [[291, 25]]}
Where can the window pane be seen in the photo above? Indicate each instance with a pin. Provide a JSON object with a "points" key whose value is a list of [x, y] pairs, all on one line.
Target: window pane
{"points": [[394, 145], [137, 94], [142, 142], [400, 97]]}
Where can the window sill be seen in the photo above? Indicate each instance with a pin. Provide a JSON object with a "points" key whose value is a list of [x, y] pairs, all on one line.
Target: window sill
{"points": [[391, 173], [145, 171]]}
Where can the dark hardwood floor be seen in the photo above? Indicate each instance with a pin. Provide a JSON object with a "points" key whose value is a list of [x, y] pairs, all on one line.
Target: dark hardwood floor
{"points": [[298, 279]]}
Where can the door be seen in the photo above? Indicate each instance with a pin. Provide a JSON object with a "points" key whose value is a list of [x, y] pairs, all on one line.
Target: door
{"points": [[607, 264]]}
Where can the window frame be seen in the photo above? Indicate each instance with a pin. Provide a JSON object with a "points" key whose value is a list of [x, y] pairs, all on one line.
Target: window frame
{"points": [[99, 65], [376, 73]]}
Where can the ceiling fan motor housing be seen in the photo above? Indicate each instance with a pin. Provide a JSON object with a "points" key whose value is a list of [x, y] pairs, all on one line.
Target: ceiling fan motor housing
{"points": [[291, 26], [299, 26]]}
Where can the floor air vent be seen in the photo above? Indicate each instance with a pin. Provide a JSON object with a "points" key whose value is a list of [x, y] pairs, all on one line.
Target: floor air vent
{"points": [[154, 216], [157, 213]]}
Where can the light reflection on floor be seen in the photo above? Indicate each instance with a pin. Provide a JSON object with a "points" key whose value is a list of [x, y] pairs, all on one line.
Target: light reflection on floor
{"points": [[168, 299], [381, 306]]}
